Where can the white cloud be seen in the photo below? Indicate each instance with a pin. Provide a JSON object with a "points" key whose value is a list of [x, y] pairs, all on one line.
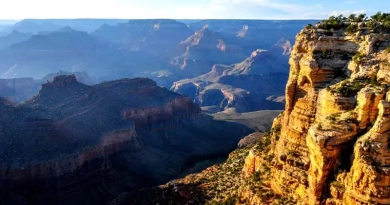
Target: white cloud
{"points": [[346, 12], [351, 2]]}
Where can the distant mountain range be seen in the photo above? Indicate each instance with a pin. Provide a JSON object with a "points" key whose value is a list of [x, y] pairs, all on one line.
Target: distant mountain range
{"points": [[38, 25], [164, 50], [244, 86]]}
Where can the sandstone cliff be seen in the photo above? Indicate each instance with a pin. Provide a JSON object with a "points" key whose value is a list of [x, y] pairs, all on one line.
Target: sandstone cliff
{"points": [[333, 145]]}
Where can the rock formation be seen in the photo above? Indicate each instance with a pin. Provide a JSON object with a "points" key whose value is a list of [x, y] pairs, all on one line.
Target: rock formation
{"points": [[244, 86], [21, 89], [333, 144], [205, 48], [78, 144]]}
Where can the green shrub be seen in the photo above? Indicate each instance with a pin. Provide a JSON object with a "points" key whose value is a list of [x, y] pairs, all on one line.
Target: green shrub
{"points": [[352, 28], [358, 57], [309, 26], [333, 22], [381, 17], [356, 85], [361, 18], [350, 89], [352, 18], [372, 81]]}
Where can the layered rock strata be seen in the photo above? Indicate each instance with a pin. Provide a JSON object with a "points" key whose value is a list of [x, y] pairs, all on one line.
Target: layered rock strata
{"points": [[244, 86], [333, 146]]}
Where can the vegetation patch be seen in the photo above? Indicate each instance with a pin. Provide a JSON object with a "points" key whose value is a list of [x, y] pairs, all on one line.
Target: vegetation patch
{"points": [[377, 23], [352, 28], [347, 88], [358, 57], [372, 82]]}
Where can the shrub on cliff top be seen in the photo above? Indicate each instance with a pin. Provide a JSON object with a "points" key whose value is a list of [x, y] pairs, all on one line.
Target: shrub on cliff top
{"points": [[333, 22], [381, 17], [379, 22], [354, 18], [309, 26], [352, 28]]}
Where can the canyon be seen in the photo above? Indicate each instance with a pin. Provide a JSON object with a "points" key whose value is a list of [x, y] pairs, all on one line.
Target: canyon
{"points": [[331, 143], [245, 86], [186, 56], [79, 144]]}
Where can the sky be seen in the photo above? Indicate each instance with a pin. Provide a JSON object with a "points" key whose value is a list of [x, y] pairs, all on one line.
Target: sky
{"points": [[188, 9]]}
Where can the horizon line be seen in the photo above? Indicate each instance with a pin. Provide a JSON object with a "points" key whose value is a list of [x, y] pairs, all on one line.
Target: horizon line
{"points": [[264, 19]]}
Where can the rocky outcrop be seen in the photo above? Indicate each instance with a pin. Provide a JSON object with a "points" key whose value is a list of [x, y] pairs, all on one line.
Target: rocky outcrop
{"points": [[21, 89], [334, 124], [113, 136]]}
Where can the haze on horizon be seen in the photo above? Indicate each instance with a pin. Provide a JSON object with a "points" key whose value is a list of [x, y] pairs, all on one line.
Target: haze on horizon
{"points": [[188, 9]]}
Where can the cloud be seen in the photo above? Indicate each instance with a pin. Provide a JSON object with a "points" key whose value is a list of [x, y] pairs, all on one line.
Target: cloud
{"points": [[351, 2], [346, 12]]}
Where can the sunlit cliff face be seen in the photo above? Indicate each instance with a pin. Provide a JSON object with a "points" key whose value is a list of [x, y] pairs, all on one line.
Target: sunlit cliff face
{"points": [[333, 142]]}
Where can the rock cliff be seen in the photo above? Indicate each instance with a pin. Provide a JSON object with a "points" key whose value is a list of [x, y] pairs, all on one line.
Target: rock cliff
{"points": [[333, 143]]}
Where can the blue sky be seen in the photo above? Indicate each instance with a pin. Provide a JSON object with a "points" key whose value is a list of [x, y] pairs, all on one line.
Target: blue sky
{"points": [[188, 9]]}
